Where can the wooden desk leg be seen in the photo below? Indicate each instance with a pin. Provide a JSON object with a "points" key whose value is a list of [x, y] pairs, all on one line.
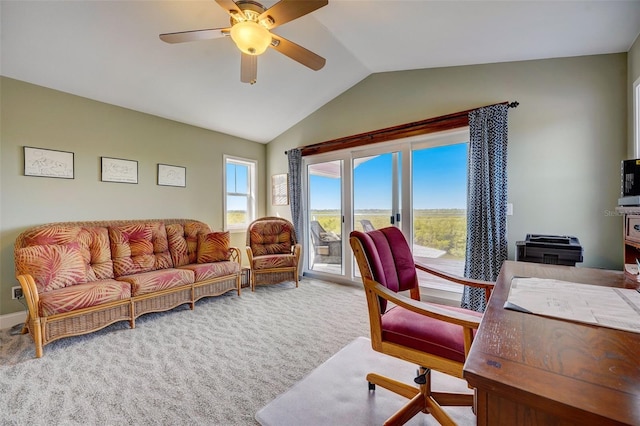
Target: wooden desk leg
{"points": [[481, 407]]}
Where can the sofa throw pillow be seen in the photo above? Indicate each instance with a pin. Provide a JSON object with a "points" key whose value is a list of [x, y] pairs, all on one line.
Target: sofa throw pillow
{"points": [[213, 247], [52, 266]]}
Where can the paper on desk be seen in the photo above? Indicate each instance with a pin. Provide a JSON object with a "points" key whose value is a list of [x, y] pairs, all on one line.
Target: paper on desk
{"points": [[605, 306], [631, 268]]}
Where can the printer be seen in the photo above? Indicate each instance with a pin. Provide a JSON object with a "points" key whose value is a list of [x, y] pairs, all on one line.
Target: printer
{"points": [[550, 249]]}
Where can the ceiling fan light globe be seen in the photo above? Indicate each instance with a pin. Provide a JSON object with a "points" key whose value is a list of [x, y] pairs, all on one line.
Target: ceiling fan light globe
{"points": [[251, 37]]}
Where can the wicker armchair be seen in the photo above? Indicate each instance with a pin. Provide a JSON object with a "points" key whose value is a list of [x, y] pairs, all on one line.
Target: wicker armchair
{"points": [[273, 251]]}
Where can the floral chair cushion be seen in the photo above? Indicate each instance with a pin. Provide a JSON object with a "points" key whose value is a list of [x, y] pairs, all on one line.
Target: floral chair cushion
{"points": [[274, 261], [270, 236]]}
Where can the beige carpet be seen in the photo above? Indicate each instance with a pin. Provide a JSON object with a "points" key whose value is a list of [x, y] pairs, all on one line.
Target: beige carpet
{"points": [[216, 365], [336, 393]]}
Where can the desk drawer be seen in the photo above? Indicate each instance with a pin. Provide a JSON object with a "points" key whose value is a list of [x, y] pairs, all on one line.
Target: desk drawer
{"points": [[633, 228]]}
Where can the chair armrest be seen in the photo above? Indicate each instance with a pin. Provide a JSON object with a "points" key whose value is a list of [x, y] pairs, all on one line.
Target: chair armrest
{"points": [[427, 309], [296, 250], [30, 292], [234, 255], [486, 285]]}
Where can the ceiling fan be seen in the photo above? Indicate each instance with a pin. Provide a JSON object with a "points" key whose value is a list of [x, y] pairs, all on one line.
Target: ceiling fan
{"points": [[251, 25]]}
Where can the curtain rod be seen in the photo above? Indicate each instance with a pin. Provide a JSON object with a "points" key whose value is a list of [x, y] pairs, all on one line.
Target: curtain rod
{"points": [[396, 132]]}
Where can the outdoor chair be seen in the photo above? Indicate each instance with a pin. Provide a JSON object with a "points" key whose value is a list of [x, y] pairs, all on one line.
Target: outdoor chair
{"points": [[367, 225], [432, 336], [327, 246], [273, 251]]}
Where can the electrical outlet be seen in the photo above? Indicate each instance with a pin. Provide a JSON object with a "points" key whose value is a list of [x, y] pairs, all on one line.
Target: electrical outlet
{"points": [[509, 209], [16, 292]]}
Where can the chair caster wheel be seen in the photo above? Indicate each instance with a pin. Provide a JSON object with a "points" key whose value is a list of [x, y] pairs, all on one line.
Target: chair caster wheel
{"points": [[372, 386]]}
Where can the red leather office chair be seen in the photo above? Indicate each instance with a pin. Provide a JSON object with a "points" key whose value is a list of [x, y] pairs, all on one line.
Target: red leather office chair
{"points": [[432, 336]]}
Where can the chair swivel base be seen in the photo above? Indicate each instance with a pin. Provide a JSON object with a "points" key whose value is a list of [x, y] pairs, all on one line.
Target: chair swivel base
{"points": [[422, 399]]}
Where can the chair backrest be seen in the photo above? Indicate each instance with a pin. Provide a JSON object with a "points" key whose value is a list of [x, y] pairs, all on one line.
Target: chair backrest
{"points": [[389, 258], [271, 235], [316, 229], [367, 225]]}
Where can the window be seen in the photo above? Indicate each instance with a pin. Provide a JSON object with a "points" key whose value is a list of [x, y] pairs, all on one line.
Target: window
{"points": [[240, 192]]}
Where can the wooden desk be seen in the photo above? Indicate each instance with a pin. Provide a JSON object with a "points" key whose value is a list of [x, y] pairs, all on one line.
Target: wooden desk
{"points": [[532, 370]]}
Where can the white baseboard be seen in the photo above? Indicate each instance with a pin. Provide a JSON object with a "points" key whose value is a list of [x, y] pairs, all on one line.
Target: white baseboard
{"points": [[9, 320]]}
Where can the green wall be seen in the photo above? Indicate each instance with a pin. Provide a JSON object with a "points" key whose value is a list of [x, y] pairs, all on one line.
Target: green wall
{"points": [[566, 139], [40, 117]]}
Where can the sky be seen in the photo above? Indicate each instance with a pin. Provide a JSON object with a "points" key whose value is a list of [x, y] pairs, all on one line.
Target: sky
{"points": [[439, 181]]}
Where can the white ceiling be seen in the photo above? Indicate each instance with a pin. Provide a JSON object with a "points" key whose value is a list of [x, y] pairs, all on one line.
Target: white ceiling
{"points": [[110, 51]]}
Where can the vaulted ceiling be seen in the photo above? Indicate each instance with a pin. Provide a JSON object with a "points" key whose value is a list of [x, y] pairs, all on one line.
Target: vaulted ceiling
{"points": [[110, 51]]}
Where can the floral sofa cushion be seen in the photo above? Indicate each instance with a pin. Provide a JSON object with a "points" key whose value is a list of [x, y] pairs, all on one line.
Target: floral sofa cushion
{"points": [[52, 266], [93, 242], [139, 248], [183, 241], [213, 247], [83, 296], [96, 251], [206, 271], [152, 281]]}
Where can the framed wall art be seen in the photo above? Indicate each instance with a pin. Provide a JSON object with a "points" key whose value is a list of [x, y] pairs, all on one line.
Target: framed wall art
{"points": [[119, 170], [48, 163], [280, 189], [172, 175]]}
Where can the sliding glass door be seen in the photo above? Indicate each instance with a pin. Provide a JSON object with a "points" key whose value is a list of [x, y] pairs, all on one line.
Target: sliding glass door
{"points": [[417, 184]]}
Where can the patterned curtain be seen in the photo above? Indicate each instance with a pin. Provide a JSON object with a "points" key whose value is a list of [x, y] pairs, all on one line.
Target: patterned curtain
{"points": [[295, 190], [486, 200]]}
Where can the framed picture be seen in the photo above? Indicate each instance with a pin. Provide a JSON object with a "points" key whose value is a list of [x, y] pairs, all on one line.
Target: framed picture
{"points": [[48, 163], [172, 175], [280, 189], [119, 170]]}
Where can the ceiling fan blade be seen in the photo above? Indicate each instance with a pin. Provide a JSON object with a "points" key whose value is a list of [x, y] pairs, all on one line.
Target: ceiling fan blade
{"points": [[288, 10], [231, 7], [248, 68], [195, 35], [297, 53]]}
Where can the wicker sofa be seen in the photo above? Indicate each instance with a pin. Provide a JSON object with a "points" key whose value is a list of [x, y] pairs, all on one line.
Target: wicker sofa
{"points": [[79, 277]]}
